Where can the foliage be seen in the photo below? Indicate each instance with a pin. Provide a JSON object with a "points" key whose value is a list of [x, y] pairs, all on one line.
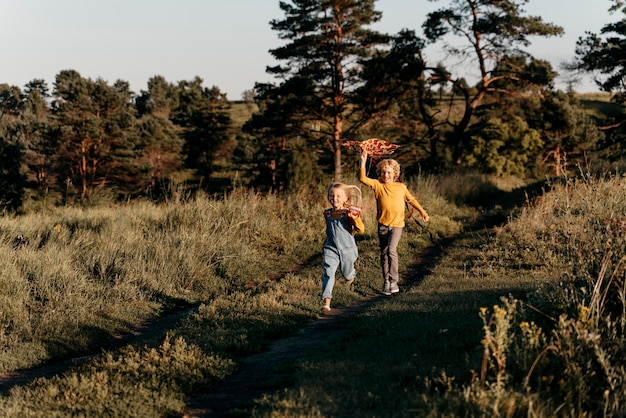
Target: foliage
{"points": [[92, 121], [161, 375], [563, 341], [398, 100], [601, 54], [204, 114], [503, 148], [89, 140], [326, 40], [494, 33]]}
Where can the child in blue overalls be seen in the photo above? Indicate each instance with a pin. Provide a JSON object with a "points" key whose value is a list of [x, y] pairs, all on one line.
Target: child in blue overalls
{"points": [[342, 221]]}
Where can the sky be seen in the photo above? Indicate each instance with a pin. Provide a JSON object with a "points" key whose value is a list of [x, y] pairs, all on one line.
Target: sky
{"points": [[224, 42]]}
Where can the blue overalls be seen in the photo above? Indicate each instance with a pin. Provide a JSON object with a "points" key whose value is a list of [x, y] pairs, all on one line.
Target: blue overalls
{"points": [[339, 251]]}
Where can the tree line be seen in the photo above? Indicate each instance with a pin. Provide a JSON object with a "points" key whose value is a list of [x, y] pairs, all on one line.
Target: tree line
{"points": [[87, 136], [337, 79]]}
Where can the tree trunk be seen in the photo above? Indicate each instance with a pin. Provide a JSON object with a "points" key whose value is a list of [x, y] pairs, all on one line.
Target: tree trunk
{"points": [[338, 127]]}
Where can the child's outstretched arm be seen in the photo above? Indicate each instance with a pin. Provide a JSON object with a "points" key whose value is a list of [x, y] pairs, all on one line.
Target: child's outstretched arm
{"points": [[413, 202], [363, 171]]}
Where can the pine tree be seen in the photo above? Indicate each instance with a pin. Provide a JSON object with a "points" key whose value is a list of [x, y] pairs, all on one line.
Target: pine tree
{"points": [[326, 42], [93, 123]]}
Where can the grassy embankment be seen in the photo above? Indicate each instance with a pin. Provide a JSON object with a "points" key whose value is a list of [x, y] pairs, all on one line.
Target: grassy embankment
{"points": [[73, 278], [523, 320]]}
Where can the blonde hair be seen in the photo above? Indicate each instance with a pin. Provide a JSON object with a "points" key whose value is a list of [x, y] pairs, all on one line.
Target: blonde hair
{"points": [[389, 163], [353, 193]]}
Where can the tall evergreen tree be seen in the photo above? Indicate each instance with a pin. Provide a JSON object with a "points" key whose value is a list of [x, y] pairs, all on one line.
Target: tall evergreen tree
{"points": [[10, 101], [161, 98], [603, 55], [12, 180], [326, 39], [159, 142], [397, 95], [570, 134], [93, 123], [39, 145], [203, 115]]}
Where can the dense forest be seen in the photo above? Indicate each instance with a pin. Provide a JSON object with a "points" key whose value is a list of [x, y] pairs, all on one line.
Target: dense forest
{"points": [[83, 140]]}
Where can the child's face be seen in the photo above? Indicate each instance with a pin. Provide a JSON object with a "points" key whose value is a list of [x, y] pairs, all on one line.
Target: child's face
{"points": [[387, 175], [337, 198]]}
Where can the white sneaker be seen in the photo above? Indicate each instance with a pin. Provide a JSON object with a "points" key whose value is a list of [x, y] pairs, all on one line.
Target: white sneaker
{"points": [[394, 287]]}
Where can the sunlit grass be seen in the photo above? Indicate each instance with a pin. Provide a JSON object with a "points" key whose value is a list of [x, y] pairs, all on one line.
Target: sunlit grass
{"points": [[521, 320], [105, 270]]}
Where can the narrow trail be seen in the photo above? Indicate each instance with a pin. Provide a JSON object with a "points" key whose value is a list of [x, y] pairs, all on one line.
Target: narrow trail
{"points": [[145, 332], [268, 371], [256, 372]]}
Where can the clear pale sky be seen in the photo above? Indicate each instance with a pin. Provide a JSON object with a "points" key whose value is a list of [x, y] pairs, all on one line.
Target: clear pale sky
{"points": [[224, 42]]}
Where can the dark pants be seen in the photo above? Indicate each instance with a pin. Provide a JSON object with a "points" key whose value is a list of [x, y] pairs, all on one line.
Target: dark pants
{"points": [[388, 238]]}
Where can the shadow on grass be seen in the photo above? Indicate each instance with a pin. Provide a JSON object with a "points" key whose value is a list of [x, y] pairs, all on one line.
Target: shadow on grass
{"points": [[97, 340], [364, 358]]}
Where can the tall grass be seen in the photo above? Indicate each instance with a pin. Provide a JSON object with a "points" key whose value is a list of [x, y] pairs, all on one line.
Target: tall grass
{"points": [[555, 349], [252, 264], [73, 278]]}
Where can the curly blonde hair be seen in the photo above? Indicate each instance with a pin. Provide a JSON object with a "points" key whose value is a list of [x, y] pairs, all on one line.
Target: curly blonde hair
{"points": [[389, 163]]}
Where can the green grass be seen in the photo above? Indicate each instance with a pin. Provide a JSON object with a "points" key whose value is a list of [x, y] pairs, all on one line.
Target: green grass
{"points": [[525, 319], [74, 278], [485, 328]]}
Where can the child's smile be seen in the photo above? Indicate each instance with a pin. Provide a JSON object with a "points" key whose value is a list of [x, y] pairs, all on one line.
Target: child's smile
{"points": [[337, 198], [387, 175]]}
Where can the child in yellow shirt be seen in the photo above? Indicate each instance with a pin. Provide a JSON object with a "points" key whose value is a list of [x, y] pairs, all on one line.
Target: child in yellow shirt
{"points": [[391, 196]]}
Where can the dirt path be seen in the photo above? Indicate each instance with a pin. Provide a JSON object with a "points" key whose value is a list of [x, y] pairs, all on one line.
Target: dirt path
{"points": [[145, 332], [268, 371], [265, 372]]}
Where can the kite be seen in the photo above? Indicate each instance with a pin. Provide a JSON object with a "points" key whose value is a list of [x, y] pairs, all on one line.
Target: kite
{"points": [[374, 147]]}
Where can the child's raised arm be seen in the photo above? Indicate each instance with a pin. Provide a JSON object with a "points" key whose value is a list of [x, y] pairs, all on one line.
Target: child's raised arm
{"points": [[363, 157]]}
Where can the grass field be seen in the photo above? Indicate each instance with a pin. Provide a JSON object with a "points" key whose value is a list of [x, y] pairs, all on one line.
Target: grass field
{"points": [[519, 314]]}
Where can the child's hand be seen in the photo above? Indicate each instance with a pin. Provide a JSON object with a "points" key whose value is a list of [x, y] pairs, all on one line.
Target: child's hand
{"points": [[354, 212], [425, 217], [363, 157]]}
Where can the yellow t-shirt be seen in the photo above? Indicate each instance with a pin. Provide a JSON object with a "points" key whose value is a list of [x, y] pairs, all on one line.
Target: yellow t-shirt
{"points": [[390, 198]]}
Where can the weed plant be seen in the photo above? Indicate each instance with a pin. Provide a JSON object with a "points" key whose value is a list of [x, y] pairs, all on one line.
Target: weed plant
{"points": [[557, 348]]}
